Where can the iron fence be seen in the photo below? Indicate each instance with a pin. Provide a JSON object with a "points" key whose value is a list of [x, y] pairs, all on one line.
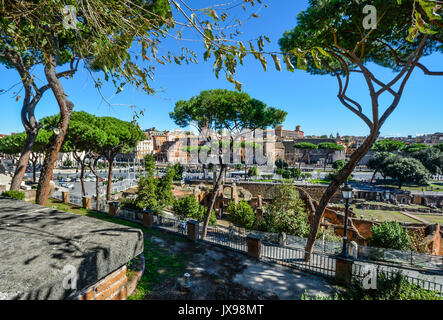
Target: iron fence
{"points": [[403, 258], [430, 282], [228, 239], [78, 201], [170, 224], [320, 264]]}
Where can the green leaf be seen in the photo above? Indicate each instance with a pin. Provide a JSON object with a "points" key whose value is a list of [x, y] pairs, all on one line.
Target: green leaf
{"points": [[276, 61], [413, 33], [431, 9], [289, 65]]}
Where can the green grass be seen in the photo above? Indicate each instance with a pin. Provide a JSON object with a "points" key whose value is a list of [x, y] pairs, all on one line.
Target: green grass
{"points": [[319, 181], [436, 186], [272, 180], [160, 264], [383, 215], [432, 218]]}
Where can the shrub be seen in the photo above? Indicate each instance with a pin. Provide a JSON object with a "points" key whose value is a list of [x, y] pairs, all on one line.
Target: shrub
{"points": [[165, 196], [15, 194], [253, 171], [305, 296], [338, 164], [67, 163], [241, 214], [188, 207], [178, 171], [390, 235], [201, 213], [147, 194], [396, 287], [292, 173], [281, 164], [306, 175], [329, 235], [129, 204], [286, 213]]}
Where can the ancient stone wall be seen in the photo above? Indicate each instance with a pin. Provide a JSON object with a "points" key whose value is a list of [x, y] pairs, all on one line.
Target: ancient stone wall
{"points": [[267, 190]]}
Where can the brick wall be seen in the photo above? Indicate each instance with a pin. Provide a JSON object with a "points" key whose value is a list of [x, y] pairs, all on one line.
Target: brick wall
{"points": [[112, 287], [267, 190]]}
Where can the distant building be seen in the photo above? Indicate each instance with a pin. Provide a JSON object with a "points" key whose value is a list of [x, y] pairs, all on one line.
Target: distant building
{"points": [[158, 138], [430, 139], [314, 156], [288, 134]]}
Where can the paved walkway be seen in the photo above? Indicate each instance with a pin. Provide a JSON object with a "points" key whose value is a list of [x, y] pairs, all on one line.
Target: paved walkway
{"points": [[5, 180], [218, 273]]}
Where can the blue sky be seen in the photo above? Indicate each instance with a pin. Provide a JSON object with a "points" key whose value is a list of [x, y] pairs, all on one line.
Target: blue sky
{"points": [[311, 101]]}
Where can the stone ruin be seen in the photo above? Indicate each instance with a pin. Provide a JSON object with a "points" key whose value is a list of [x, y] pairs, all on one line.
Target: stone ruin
{"points": [[359, 230]]}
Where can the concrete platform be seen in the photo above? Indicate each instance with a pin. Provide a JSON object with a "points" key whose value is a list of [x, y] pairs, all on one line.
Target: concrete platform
{"points": [[40, 247]]}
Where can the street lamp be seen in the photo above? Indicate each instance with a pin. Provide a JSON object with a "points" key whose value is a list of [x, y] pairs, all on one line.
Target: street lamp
{"points": [[347, 194]]}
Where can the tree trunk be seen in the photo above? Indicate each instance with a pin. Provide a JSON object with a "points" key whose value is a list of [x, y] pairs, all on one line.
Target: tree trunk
{"points": [[108, 187], [20, 169], [212, 201], [34, 164], [82, 163], [56, 140], [82, 178], [93, 167], [326, 161], [373, 176], [214, 176], [301, 160], [334, 186], [28, 119], [97, 192]]}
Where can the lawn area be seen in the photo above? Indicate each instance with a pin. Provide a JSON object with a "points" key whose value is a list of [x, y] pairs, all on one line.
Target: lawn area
{"points": [[319, 181], [273, 180], [432, 218], [436, 187], [161, 264], [383, 215]]}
